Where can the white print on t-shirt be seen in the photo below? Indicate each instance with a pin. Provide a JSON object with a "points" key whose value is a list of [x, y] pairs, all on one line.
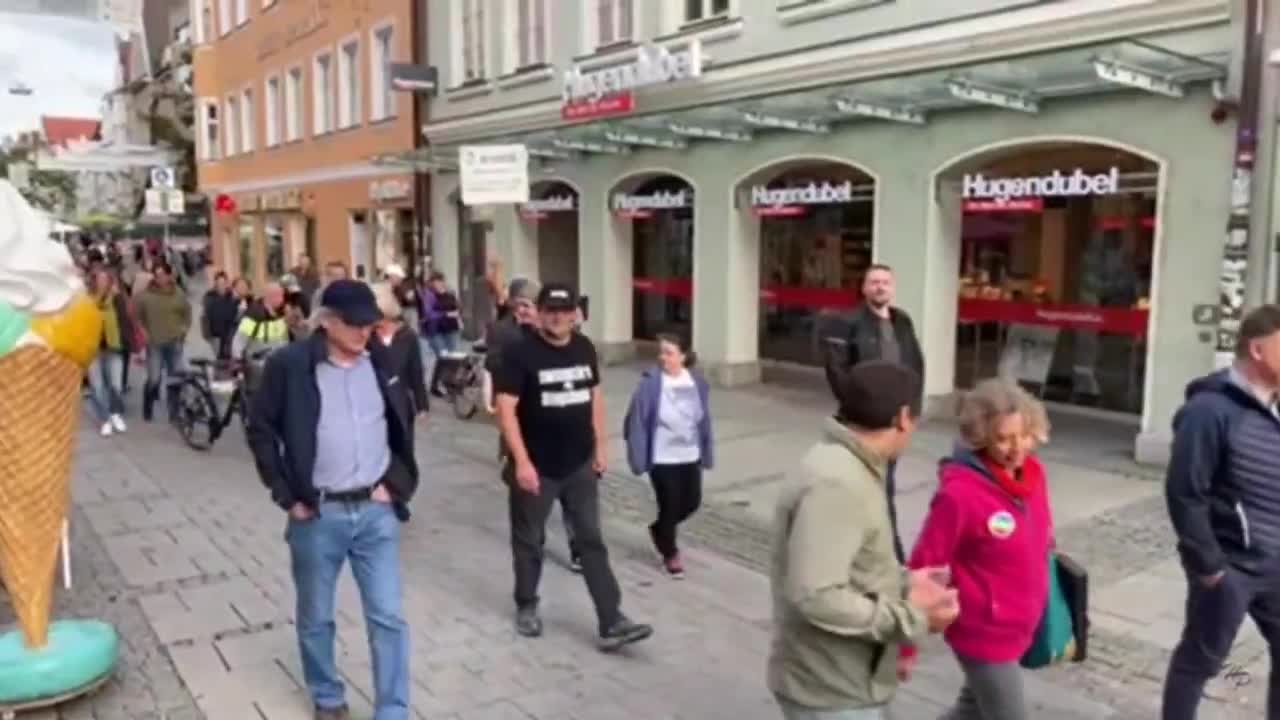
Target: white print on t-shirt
{"points": [[566, 395]]}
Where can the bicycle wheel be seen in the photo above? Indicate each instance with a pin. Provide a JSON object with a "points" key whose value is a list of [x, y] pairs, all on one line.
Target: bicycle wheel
{"points": [[464, 395], [197, 418]]}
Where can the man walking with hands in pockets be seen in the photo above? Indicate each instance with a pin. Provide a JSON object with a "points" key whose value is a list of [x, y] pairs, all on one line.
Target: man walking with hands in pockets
{"points": [[842, 601], [551, 414]]}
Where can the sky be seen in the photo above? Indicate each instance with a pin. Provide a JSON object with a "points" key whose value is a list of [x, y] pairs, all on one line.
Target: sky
{"points": [[66, 62]]}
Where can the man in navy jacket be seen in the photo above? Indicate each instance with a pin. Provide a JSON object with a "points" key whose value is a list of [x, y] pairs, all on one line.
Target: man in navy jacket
{"points": [[1223, 493], [331, 445]]}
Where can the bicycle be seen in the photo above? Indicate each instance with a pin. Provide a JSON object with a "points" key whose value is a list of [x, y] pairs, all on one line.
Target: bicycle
{"points": [[463, 384], [199, 418]]}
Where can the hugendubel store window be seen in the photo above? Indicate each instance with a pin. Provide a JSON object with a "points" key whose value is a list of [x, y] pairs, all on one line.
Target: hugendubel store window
{"points": [[661, 213], [1055, 277], [815, 246]]}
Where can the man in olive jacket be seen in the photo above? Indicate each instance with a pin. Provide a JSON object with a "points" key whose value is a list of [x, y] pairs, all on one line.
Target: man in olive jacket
{"points": [[842, 601], [164, 312]]}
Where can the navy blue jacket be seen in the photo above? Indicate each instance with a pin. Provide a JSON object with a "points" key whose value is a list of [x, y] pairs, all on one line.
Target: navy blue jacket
{"points": [[283, 418], [1223, 482]]}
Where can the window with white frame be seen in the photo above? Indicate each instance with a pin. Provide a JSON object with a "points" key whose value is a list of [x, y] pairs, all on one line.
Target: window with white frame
{"points": [[232, 116], [322, 120], [224, 16], [293, 105], [201, 20], [242, 11], [531, 33], [349, 84], [695, 10], [614, 21], [210, 129], [474, 63], [381, 55], [271, 111], [246, 121]]}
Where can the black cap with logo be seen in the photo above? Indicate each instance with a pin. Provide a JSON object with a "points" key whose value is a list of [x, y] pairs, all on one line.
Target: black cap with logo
{"points": [[557, 296]]}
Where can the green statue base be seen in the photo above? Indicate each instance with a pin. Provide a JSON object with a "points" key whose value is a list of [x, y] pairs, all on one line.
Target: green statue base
{"points": [[80, 656]]}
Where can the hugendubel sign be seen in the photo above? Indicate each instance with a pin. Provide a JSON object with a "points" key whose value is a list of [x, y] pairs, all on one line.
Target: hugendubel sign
{"points": [[791, 201], [642, 206], [539, 209], [1054, 184], [609, 91]]}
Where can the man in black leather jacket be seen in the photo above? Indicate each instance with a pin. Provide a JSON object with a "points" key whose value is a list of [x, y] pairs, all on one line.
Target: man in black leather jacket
{"points": [[877, 331]]}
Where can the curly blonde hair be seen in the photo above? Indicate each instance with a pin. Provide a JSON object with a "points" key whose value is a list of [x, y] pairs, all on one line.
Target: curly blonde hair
{"points": [[990, 400]]}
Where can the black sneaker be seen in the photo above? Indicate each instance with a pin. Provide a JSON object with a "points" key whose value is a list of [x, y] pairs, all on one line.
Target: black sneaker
{"points": [[623, 632], [528, 623], [575, 564]]}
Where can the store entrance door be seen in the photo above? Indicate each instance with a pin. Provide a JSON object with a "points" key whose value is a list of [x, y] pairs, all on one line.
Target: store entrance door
{"points": [[473, 288], [661, 215], [1056, 250]]}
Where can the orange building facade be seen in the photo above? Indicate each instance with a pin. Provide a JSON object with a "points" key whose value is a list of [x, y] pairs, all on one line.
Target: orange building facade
{"points": [[293, 108]]}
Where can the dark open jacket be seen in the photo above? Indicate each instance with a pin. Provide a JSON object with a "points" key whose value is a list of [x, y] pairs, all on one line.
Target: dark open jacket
{"points": [[1223, 483], [282, 426]]}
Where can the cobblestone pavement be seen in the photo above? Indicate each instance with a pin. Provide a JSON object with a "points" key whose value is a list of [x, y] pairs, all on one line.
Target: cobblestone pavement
{"points": [[183, 551]]}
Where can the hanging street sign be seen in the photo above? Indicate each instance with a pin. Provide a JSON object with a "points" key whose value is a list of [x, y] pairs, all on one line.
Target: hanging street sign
{"points": [[163, 178], [591, 94], [494, 174], [165, 202]]}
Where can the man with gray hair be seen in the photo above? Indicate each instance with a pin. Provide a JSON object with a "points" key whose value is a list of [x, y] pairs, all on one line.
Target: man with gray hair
{"points": [[328, 440]]}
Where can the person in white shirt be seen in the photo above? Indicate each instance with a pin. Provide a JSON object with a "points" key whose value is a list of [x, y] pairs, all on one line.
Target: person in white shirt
{"points": [[669, 436]]}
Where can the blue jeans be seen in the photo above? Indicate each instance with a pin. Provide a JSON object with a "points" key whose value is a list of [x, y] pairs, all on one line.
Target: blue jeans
{"points": [[106, 378], [442, 343], [792, 711], [369, 534]]}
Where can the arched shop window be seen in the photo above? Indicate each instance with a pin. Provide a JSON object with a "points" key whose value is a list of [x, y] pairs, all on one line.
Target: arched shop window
{"points": [[816, 223], [1056, 249], [661, 215], [551, 216]]}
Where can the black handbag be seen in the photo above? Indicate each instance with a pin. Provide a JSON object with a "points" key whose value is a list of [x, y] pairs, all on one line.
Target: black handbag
{"points": [[1074, 580]]}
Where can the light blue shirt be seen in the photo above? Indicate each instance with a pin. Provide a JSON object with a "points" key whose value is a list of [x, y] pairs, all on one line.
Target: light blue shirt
{"points": [[351, 435]]}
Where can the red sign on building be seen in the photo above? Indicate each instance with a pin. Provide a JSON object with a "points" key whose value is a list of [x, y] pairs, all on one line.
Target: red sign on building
{"points": [[1018, 205], [608, 106]]}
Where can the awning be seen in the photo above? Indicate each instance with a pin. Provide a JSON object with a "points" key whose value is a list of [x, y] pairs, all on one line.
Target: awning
{"points": [[1163, 64], [104, 156]]}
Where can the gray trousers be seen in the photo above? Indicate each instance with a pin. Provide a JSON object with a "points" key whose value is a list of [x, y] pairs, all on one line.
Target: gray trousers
{"points": [[991, 691], [792, 711]]}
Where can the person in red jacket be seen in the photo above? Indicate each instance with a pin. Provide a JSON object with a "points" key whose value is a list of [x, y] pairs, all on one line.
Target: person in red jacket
{"points": [[990, 522]]}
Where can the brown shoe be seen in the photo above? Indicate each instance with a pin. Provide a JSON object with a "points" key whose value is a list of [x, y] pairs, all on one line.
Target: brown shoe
{"points": [[338, 713]]}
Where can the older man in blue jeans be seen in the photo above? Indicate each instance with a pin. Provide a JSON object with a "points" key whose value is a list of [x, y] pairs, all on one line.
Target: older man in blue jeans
{"points": [[336, 456]]}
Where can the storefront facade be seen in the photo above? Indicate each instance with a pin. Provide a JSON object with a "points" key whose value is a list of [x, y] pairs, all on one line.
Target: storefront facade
{"points": [[1066, 241], [293, 105]]}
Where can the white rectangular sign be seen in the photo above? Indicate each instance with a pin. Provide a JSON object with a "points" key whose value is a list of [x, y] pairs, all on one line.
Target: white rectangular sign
{"points": [[155, 202], [165, 202], [494, 174], [1055, 184]]}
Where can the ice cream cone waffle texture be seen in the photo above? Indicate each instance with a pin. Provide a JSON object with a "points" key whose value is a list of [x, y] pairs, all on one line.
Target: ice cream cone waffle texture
{"points": [[39, 412]]}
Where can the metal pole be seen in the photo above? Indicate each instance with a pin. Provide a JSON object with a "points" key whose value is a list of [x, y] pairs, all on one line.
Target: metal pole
{"points": [[1235, 254]]}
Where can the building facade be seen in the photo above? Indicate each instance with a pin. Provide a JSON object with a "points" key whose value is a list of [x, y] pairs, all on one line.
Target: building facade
{"points": [[293, 102], [1049, 179]]}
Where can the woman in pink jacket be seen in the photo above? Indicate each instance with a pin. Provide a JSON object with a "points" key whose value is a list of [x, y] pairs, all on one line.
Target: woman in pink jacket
{"points": [[990, 522]]}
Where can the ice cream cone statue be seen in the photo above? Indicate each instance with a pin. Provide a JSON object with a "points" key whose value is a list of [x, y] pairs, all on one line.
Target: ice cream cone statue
{"points": [[49, 333]]}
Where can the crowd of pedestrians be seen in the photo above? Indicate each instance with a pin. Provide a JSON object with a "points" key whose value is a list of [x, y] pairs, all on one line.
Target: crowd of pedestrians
{"points": [[339, 369]]}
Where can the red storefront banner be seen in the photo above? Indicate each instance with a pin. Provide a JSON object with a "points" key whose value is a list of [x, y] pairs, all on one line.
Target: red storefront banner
{"points": [[1117, 321], [534, 215], [1122, 223], [803, 297], [1021, 205], [672, 287], [778, 210], [633, 214], [607, 106]]}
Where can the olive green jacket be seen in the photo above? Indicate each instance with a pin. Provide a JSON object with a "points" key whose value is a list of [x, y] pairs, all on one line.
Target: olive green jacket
{"points": [[839, 594]]}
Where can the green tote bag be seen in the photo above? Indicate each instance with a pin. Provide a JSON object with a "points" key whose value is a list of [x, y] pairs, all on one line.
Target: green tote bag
{"points": [[1054, 640]]}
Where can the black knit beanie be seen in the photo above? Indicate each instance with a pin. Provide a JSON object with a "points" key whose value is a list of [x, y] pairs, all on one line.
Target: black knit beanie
{"points": [[869, 395]]}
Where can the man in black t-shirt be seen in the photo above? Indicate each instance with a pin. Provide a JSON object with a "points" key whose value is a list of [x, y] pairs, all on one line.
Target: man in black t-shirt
{"points": [[551, 413]]}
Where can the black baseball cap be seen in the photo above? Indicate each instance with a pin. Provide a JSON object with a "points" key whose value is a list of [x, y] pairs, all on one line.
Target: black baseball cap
{"points": [[353, 301], [557, 296]]}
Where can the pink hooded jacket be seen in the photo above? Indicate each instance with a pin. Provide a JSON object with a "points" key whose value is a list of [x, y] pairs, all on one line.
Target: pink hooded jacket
{"points": [[997, 547]]}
